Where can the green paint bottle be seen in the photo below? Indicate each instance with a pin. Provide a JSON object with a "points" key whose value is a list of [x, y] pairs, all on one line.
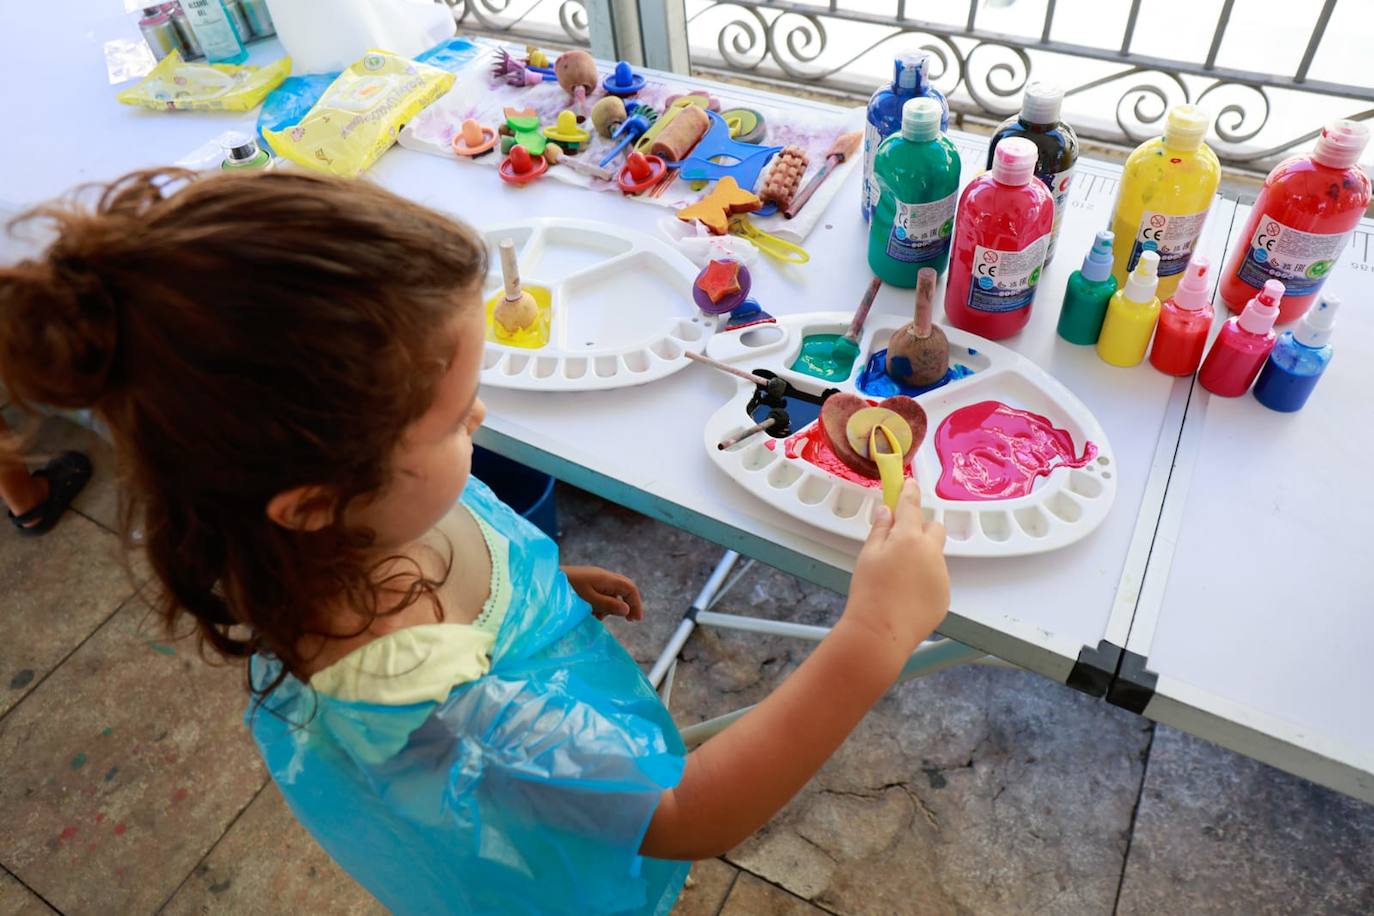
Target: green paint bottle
{"points": [[1089, 292], [916, 173]]}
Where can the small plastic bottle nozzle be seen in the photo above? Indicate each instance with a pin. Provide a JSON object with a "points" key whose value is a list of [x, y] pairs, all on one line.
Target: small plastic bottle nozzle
{"points": [[1013, 161], [1042, 103], [912, 67], [1261, 311], [1192, 289], [1097, 264], [921, 119], [1341, 144], [1185, 128], [1315, 328], [1141, 284]]}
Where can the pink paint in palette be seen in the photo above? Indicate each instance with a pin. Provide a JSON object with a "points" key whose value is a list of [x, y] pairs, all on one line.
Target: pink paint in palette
{"points": [[990, 451]]}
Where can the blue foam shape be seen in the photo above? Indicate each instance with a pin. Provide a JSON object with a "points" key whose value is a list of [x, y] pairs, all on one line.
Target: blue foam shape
{"points": [[718, 143]]}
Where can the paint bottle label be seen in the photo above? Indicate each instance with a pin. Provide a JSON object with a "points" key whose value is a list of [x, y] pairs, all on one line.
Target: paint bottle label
{"points": [[1171, 235], [1004, 281], [1058, 185], [872, 140], [213, 29], [1301, 260], [921, 232]]}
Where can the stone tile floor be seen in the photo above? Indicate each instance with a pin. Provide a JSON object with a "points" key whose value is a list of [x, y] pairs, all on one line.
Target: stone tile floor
{"points": [[129, 786]]}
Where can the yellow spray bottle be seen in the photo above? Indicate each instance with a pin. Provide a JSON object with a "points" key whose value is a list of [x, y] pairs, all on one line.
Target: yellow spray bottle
{"points": [[1166, 190], [1131, 316]]}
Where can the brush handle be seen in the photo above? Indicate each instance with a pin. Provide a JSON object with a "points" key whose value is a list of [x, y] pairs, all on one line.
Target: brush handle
{"points": [[726, 367], [925, 300], [802, 196], [856, 326], [739, 437], [510, 269]]}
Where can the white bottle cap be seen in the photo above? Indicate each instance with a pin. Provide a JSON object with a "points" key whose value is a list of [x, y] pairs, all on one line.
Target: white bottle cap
{"points": [[1261, 311], [1186, 127], [1315, 328], [1013, 161], [912, 66], [1141, 284], [921, 119], [1341, 143], [1192, 289], [1042, 103]]}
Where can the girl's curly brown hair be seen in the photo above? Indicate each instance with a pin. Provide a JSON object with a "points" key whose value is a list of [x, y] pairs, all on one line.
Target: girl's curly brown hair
{"points": [[241, 335]]}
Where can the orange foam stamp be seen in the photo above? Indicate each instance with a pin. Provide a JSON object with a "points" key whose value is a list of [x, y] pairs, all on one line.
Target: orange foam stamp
{"points": [[715, 209]]}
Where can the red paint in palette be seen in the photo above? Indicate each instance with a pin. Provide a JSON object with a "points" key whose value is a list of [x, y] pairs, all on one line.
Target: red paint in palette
{"points": [[991, 451], [809, 445]]}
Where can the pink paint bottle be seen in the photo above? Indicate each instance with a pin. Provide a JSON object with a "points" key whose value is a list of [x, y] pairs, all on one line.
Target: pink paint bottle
{"points": [[1240, 350], [1184, 322], [1000, 235]]}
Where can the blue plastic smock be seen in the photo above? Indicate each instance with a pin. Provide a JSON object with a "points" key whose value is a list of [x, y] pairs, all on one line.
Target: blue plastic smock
{"points": [[527, 790]]}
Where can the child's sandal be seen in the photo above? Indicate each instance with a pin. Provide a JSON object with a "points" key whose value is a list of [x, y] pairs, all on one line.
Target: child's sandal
{"points": [[66, 475]]}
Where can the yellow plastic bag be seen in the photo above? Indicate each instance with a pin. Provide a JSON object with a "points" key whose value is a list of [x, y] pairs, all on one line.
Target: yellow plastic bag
{"points": [[176, 85], [360, 114]]}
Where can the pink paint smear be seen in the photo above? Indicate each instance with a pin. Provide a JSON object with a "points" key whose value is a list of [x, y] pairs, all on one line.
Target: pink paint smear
{"points": [[991, 451]]}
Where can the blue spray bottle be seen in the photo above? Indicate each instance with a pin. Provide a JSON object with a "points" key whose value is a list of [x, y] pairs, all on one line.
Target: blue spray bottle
{"points": [[1298, 359], [909, 81]]}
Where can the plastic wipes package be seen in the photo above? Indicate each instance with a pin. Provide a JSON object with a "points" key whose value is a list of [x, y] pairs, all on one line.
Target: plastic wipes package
{"points": [[175, 85], [526, 791], [360, 114]]}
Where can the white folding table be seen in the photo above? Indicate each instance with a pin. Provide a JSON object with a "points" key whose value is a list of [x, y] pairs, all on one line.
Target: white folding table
{"points": [[1068, 614]]}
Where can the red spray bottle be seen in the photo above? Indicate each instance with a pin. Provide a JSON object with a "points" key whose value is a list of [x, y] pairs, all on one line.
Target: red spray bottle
{"points": [[1304, 215], [1001, 233]]}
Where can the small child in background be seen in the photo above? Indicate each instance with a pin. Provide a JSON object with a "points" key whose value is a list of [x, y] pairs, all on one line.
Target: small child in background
{"points": [[288, 365]]}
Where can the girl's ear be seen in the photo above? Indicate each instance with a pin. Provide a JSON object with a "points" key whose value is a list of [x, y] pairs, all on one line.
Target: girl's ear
{"points": [[304, 508]]}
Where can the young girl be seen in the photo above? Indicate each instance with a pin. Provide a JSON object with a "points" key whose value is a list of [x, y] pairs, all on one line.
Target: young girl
{"points": [[288, 365]]}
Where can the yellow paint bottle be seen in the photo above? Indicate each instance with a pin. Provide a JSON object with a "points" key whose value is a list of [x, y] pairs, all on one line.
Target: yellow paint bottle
{"points": [[1166, 190], [1131, 316]]}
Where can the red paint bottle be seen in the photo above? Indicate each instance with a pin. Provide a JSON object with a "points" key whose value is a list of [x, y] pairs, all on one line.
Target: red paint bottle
{"points": [[1184, 322], [1001, 233], [1243, 345], [1302, 220]]}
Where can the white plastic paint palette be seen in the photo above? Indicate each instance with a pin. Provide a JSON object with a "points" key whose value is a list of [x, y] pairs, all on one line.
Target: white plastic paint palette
{"points": [[1062, 507], [621, 311]]}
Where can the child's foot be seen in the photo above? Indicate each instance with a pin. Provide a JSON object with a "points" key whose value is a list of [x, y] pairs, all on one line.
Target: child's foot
{"points": [[63, 477]]}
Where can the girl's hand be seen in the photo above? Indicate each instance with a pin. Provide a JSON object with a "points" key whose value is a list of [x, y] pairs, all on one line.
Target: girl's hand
{"points": [[900, 588], [609, 594]]}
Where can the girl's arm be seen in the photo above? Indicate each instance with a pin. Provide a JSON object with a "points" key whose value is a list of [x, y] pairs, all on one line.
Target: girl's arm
{"points": [[736, 782]]}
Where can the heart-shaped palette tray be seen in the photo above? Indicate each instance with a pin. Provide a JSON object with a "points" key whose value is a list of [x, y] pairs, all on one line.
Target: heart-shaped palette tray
{"points": [[1024, 419], [615, 306]]}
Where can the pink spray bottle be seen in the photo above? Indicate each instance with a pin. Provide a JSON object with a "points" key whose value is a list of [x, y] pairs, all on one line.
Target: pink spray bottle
{"points": [[1244, 343]]}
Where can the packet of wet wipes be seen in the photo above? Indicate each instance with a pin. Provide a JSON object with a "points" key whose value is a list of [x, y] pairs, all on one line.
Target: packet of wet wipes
{"points": [[360, 114]]}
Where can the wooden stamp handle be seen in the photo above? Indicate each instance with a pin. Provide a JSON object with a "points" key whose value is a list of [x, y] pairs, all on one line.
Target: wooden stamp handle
{"points": [[510, 270]]}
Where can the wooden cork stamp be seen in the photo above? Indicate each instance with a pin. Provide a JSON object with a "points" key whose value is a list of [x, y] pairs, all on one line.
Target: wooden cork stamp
{"points": [[918, 352], [517, 309]]}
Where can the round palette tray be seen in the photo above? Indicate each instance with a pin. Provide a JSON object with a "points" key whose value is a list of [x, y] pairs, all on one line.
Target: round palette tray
{"points": [[1062, 507], [620, 307]]}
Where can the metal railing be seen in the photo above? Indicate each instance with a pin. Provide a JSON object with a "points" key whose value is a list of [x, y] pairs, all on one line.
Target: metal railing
{"points": [[982, 56]]}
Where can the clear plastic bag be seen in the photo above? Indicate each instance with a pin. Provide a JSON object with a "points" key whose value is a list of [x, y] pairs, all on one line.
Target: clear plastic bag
{"points": [[176, 85], [526, 791]]}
